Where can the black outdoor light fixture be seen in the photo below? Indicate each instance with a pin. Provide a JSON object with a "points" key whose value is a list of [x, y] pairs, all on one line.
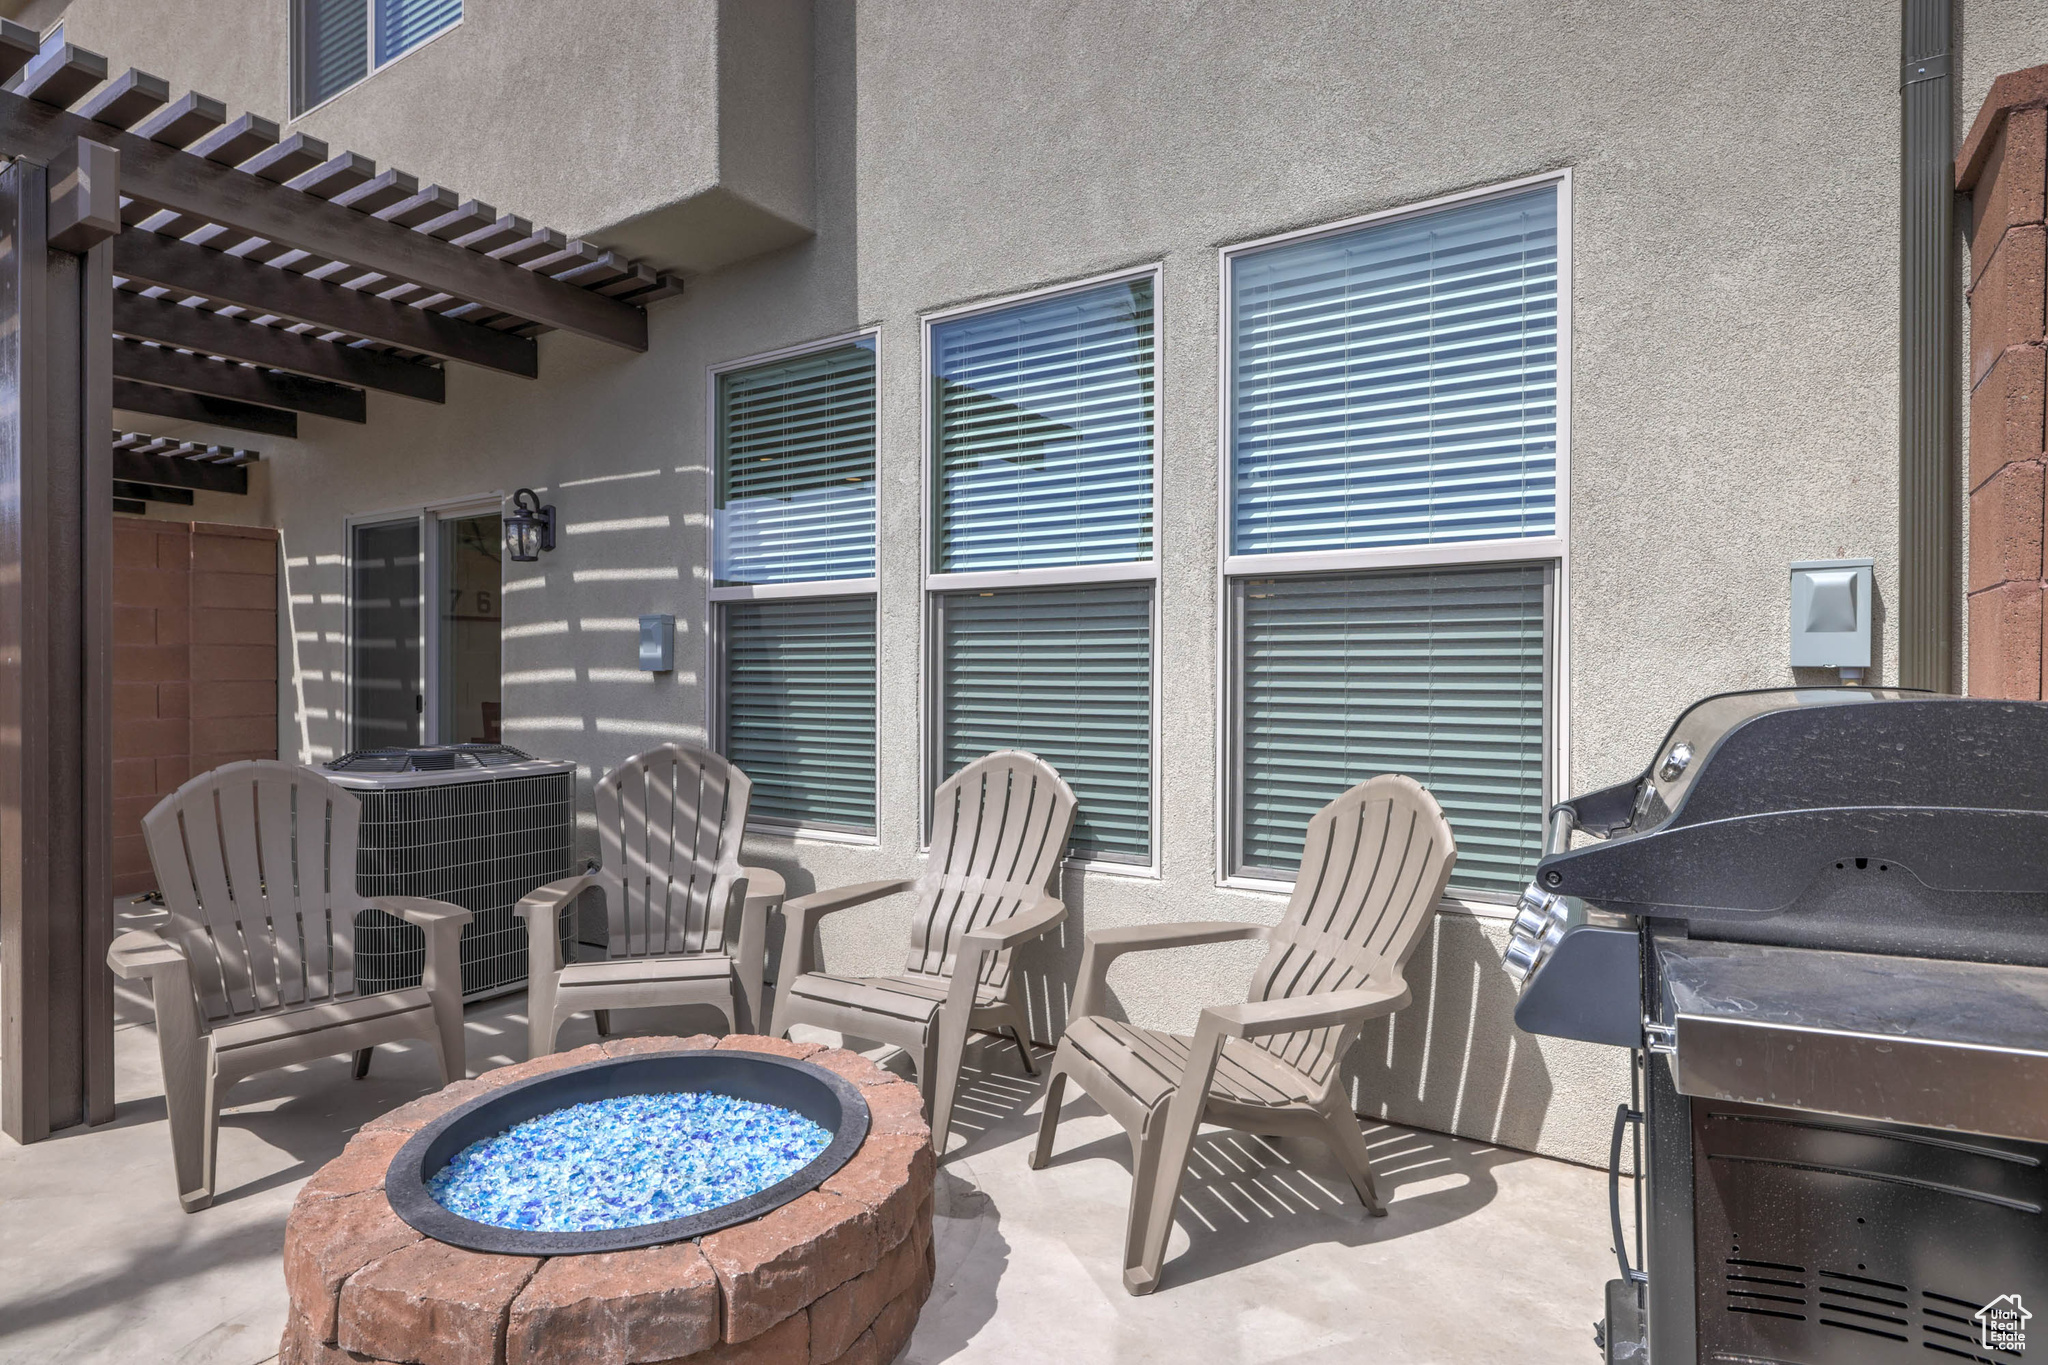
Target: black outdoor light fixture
{"points": [[529, 527]]}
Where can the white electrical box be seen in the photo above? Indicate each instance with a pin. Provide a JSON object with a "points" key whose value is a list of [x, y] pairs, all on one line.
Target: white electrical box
{"points": [[657, 644], [1831, 609]]}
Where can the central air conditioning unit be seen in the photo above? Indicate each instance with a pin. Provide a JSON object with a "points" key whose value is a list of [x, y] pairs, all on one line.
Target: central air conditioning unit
{"points": [[476, 825]]}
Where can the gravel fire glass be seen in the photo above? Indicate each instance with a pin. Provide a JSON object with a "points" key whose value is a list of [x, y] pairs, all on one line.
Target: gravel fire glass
{"points": [[626, 1161]]}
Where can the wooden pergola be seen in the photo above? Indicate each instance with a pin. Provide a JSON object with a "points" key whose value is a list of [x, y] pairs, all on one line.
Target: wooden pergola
{"points": [[160, 257]]}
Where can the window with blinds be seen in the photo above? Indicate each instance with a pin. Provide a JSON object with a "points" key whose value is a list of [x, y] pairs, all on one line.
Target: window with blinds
{"points": [[403, 25], [1044, 428], [338, 42], [793, 533], [1439, 674], [796, 474], [1065, 674], [800, 709], [1397, 384]]}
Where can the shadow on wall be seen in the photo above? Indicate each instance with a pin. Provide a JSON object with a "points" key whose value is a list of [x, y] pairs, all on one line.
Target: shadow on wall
{"points": [[1451, 1061]]}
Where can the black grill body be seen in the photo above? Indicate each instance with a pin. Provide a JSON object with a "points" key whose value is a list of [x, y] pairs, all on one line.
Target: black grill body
{"points": [[1837, 1003]]}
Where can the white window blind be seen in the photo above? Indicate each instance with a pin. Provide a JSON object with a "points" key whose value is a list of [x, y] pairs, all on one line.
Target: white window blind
{"points": [[403, 25], [800, 708], [1397, 384], [1044, 426], [796, 484], [1064, 674], [1437, 674]]}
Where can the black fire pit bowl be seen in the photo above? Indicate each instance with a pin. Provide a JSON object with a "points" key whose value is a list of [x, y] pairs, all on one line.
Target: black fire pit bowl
{"points": [[825, 1099]]}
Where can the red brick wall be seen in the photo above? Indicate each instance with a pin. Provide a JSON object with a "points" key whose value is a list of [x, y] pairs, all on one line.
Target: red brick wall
{"points": [[195, 664], [2003, 167]]}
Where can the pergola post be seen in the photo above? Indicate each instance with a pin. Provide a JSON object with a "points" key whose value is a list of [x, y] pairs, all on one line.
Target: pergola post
{"points": [[56, 565]]}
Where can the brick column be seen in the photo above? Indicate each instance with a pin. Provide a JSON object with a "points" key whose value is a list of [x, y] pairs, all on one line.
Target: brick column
{"points": [[2003, 167]]}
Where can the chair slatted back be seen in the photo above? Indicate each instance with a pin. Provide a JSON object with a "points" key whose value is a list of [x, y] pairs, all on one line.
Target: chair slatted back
{"points": [[1373, 867], [669, 823], [999, 834], [257, 865]]}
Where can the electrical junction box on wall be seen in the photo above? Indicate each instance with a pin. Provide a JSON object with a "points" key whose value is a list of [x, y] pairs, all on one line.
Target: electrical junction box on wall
{"points": [[1831, 610], [657, 644]]}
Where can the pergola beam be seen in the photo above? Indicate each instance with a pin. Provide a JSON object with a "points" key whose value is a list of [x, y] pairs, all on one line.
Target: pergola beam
{"points": [[171, 369], [130, 396], [195, 329], [156, 174], [151, 492], [171, 471], [182, 268]]}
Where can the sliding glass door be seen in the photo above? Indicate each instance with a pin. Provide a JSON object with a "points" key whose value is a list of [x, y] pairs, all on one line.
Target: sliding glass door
{"points": [[466, 702], [387, 690], [422, 674]]}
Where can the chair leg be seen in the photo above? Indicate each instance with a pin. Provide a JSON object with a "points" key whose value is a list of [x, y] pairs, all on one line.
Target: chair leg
{"points": [[1017, 1024], [1141, 1265], [363, 1061], [449, 1040], [211, 1159], [1347, 1143], [1049, 1122], [1167, 1139], [188, 1100], [604, 1023]]}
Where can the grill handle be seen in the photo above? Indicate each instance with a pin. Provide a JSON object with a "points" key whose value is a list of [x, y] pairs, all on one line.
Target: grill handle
{"points": [[1563, 820], [1623, 1117]]}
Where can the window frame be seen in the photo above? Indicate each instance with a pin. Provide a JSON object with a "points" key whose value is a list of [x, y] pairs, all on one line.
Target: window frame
{"points": [[715, 597], [934, 585], [1233, 569], [371, 66]]}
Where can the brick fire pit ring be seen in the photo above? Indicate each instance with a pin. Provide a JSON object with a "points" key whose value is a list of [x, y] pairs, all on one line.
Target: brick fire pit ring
{"points": [[836, 1275]]}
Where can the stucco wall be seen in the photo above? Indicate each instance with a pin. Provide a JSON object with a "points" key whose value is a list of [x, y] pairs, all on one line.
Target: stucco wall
{"points": [[1733, 368], [678, 132]]}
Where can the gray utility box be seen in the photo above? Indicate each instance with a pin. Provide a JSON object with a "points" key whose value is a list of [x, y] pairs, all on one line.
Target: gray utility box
{"points": [[477, 825]]}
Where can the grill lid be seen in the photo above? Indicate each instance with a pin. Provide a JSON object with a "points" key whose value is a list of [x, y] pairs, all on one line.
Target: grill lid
{"points": [[1867, 820]]}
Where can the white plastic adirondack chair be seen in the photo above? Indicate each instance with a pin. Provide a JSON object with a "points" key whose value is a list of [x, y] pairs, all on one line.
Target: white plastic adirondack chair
{"points": [[256, 968], [1373, 868], [669, 823], [999, 833]]}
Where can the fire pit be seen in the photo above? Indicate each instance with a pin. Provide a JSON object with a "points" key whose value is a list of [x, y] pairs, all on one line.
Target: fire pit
{"points": [[640, 1200]]}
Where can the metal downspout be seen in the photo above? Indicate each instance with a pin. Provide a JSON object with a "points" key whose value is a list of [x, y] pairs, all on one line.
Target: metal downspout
{"points": [[1927, 590]]}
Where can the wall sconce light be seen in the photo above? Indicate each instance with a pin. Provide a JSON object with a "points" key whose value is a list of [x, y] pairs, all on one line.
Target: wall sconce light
{"points": [[529, 527]]}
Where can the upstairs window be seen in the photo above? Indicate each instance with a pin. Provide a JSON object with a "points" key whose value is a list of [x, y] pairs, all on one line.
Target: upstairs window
{"points": [[336, 43]]}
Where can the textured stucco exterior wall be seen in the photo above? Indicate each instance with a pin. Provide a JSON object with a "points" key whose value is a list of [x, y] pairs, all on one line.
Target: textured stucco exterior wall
{"points": [[1733, 401], [678, 132]]}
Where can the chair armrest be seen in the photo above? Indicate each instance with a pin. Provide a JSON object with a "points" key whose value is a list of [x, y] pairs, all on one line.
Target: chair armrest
{"points": [[1104, 946], [1140, 938], [1046, 912], [551, 897], [143, 953], [424, 911], [1256, 1019], [800, 919], [764, 885], [818, 904]]}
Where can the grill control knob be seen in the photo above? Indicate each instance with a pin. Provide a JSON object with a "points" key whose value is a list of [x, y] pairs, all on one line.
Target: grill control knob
{"points": [[1676, 762], [1540, 921]]}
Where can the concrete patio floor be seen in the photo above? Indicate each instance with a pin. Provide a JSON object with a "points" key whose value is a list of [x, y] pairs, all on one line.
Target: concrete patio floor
{"points": [[1487, 1255]]}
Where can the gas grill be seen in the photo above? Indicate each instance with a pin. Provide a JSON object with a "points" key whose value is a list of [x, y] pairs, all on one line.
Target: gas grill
{"points": [[1819, 921]]}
